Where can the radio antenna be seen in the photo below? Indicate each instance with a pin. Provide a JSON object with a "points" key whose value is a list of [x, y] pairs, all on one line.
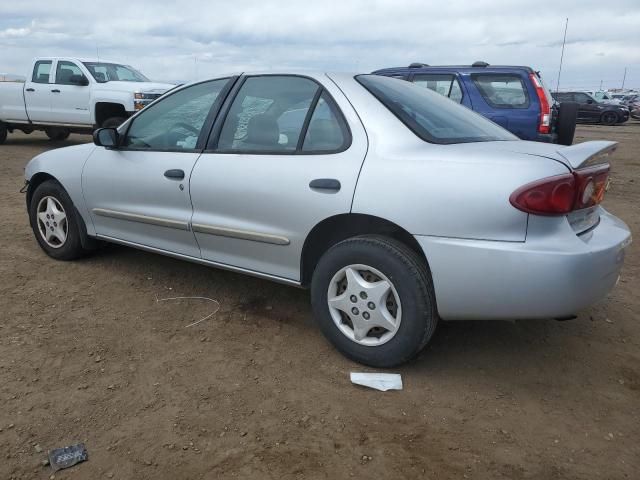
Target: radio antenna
{"points": [[564, 40]]}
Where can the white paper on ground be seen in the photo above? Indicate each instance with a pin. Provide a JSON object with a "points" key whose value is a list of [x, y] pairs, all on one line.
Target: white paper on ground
{"points": [[379, 381]]}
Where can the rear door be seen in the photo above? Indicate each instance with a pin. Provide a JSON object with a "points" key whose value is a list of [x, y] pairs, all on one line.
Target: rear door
{"points": [[70, 99], [37, 92], [589, 110], [284, 157], [506, 100]]}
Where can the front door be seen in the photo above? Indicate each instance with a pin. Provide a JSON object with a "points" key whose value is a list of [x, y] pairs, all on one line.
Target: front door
{"points": [[288, 156], [69, 98], [37, 92], [139, 192]]}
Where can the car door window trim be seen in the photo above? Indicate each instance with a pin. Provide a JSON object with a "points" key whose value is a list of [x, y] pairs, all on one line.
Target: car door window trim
{"points": [[212, 144]]}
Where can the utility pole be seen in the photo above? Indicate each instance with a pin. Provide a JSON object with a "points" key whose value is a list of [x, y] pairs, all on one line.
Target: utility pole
{"points": [[564, 40], [600, 85], [624, 77]]}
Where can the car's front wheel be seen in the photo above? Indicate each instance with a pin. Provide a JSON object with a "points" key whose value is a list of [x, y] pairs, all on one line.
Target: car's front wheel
{"points": [[57, 134], [54, 222], [373, 299]]}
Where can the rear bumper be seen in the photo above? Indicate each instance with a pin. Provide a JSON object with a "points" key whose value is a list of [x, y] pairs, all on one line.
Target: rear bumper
{"points": [[553, 274], [546, 138]]}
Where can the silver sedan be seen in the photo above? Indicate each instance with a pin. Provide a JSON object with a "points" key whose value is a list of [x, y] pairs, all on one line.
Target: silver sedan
{"points": [[394, 205]]}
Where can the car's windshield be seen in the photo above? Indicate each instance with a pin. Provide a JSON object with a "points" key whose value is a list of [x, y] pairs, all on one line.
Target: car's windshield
{"points": [[432, 117], [110, 72]]}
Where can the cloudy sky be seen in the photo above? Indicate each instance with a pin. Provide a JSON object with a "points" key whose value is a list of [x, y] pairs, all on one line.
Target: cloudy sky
{"points": [[189, 39]]}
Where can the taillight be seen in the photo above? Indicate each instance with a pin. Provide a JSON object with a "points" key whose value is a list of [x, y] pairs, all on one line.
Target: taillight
{"points": [[544, 122], [562, 194]]}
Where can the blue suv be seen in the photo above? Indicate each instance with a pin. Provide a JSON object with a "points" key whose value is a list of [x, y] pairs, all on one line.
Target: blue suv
{"points": [[513, 97]]}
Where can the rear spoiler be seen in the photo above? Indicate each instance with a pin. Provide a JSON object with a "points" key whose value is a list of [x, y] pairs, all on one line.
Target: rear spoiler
{"points": [[588, 153]]}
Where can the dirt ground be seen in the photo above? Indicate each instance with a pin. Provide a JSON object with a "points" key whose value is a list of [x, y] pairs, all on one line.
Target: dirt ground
{"points": [[88, 354]]}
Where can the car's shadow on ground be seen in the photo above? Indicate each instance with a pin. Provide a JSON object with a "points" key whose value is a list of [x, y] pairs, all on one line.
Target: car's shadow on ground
{"points": [[507, 349]]}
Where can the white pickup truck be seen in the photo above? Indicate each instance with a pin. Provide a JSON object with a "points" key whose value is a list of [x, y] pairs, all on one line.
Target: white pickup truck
{"points": [[65, 95]]}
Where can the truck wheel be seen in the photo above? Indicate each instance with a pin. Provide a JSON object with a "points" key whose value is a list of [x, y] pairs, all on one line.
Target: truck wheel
{"points": [[374, 301], [113, 122], [566, 126], [609, 118], [57, 134], [3, 133]]}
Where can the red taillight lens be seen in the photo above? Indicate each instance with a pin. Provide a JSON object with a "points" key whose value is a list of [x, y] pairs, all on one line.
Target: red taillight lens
{"points": [[562, 194], [544, 124]]}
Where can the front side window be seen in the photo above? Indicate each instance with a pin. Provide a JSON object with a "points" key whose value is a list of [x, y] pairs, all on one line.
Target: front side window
{"points": [[268, 114], [66, 70], [430, 116], [112, 72], [446, 85], [502, 90], [582, 97], [175, 122], [41, 71]]}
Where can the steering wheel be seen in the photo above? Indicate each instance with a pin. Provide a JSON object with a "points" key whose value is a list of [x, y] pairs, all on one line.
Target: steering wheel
{"points": [[186, 126]]}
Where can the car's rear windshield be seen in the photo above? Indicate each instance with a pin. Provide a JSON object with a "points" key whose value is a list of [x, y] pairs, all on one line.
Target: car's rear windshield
{"points": [[432, 117]]}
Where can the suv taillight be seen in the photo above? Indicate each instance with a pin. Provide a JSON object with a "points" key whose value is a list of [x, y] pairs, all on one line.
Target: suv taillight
{"points": [[544, 123], [562, 194]]}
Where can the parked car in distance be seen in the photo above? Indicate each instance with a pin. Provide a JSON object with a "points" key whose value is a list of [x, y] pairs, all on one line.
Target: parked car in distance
{"points": [[591, 110], [64, 95], [394, 205], [514, 97]]}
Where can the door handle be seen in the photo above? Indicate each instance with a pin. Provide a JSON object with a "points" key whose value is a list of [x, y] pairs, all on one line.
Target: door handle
{"points": [[29, 90], [55, 90], [175, 174], [327, 184]]}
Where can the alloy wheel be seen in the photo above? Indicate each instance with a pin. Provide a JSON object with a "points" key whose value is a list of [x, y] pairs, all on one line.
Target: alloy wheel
{"points": [[52, 222]]}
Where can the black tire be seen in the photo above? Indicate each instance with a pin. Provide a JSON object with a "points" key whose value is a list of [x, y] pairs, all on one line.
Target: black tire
{"points": [[609, 118], [3, 133], [113, 122], [57, 134], [409, 275], [72, 247], [566, 123]]}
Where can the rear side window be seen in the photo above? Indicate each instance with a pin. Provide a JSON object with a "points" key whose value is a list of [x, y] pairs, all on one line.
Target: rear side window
{"points": [[66, 70], [430, 116], [446, 85], [502, 90], [326, 130], [280, 114], [41, 71]]}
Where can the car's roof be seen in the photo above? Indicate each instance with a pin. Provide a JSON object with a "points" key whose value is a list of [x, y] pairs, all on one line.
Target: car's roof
{"points": [[83, 60]]}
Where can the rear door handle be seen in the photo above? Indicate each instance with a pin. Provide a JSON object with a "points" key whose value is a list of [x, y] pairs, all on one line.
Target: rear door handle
{"points": [[55, 90], [326, 184], [175, 174], [29, 90]]}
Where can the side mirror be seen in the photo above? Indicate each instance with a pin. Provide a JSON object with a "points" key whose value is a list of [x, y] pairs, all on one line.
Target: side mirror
{"points": [[589, 101], [106, 137], [79, 80]]}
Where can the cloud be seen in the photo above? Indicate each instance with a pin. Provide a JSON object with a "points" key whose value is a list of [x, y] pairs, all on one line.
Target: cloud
{"points": [[193, 39]]}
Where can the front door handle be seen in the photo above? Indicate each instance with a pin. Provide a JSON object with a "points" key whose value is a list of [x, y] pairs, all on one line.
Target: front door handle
{"points": [[175, 174], [30, 90], [55, 90], [326, 184]]}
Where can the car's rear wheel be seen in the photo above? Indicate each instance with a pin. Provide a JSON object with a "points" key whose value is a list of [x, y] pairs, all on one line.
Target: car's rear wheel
{"points": [[57, 134], [113, 122], [609, 118], [566, 126], [373, 300], [54, 222]]}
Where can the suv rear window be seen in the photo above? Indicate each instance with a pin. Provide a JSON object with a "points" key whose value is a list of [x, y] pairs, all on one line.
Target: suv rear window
{"points": [[431, 116], [502, 90], [446, 85]]}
